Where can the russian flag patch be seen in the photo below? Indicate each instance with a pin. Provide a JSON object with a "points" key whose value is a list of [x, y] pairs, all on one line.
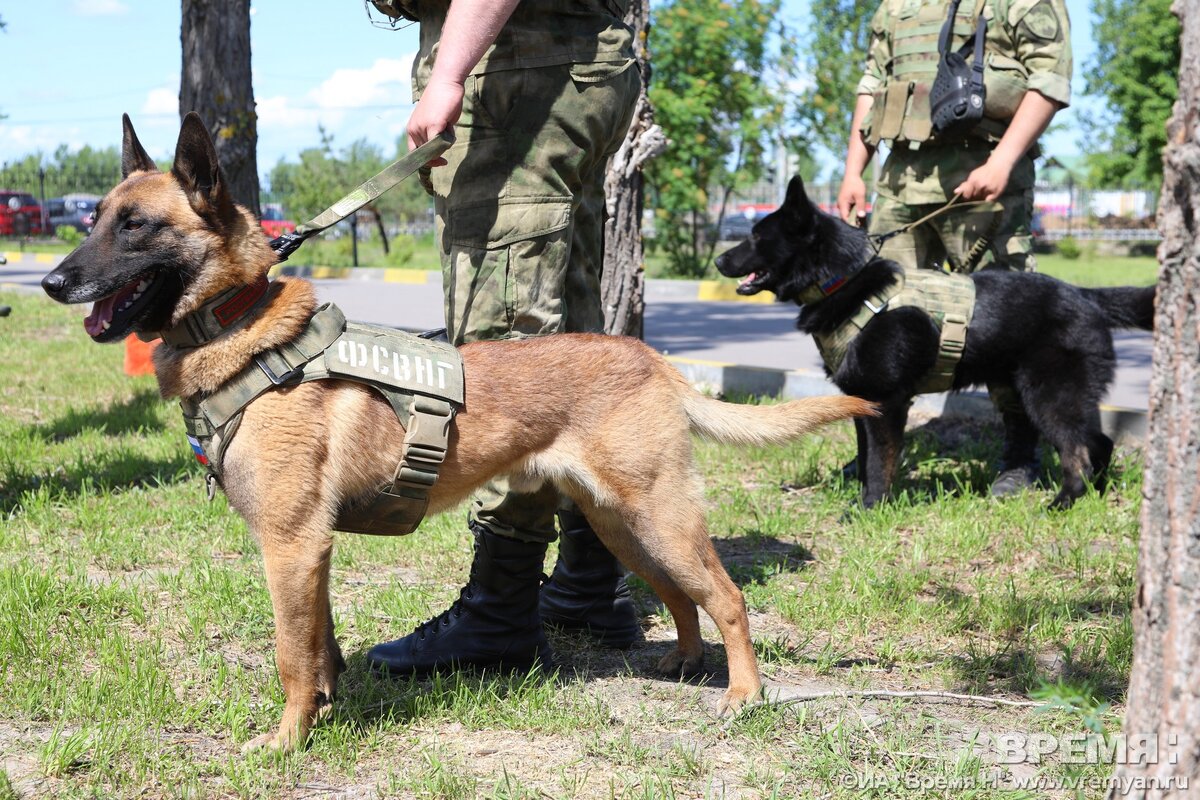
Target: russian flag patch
{"points": [[198, 450], [833, 284]]}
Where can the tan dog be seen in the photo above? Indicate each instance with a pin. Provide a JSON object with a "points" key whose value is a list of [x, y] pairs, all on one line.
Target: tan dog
{"points": [[611, 430]]}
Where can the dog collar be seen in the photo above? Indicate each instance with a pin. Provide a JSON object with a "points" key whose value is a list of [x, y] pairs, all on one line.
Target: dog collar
{"points": [[217, 315], [816, 292]]}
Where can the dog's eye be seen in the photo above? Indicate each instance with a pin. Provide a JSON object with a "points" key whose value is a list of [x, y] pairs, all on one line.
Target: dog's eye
{"points": [[132, 224]]}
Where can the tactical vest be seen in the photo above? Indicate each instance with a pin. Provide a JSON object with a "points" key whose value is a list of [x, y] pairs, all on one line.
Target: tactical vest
{"points": [[421, 380], [948, 299], [901, 110]]}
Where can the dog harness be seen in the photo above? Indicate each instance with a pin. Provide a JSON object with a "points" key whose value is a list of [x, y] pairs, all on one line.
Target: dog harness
{"points": [[948, 299], [422, 380]]}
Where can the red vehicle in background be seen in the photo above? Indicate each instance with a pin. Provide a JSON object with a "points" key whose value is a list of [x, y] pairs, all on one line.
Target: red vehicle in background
{"points": [[20, 214], [273, 222]]}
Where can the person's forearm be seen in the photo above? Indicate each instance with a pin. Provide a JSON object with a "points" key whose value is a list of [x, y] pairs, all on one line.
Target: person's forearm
{"points": [[1030, 121], [858, 153], [471, 27]]}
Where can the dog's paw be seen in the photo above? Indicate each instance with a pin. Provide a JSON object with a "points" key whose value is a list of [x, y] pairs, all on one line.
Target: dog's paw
{"points": [[735, 698], [274, 742], [679, 664]]}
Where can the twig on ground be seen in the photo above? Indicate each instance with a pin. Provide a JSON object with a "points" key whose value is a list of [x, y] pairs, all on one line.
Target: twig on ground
{"points": [[881, 694]]}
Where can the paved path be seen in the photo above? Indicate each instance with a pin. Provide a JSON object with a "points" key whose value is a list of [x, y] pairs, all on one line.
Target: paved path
{"points": [[756, 335]]}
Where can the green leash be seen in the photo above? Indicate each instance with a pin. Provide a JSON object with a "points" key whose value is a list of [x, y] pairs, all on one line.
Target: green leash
{"points": [[371, 189]]}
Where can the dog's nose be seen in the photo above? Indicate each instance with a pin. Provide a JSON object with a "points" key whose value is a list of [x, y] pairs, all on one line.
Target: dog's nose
{"points": [[54, 283]]}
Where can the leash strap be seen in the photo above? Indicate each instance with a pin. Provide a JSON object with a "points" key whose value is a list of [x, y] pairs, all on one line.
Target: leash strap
{"points": [[370, 190], [878, 239]]}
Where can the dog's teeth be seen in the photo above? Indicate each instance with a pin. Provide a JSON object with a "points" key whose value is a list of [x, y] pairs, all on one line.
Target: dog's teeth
{"points": [[107, 325], [142, 286]]}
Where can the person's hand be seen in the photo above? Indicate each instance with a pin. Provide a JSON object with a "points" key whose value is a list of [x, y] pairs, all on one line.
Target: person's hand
{"points": [[852, 198], [438, 109], [986, 182]]}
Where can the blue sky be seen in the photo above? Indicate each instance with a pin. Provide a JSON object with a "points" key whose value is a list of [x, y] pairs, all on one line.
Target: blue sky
{"points": [[73, 66]]}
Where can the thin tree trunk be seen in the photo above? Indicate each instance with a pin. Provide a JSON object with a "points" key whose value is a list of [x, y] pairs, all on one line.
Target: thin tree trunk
{"points": [[1164, 690], [216, 83], [622, 285]]}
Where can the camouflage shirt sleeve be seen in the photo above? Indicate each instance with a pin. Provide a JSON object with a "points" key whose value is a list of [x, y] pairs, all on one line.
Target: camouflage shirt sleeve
{"points": [[1042, 35], [879, 52]]}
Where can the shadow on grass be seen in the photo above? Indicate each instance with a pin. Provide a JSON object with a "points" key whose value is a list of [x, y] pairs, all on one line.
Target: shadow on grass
{"points": [[1016, 664], [110, 471], [138, 413]]}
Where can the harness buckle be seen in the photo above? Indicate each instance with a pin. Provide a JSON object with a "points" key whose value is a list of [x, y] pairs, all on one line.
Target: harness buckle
{"points": [[876, 309], [279, 380]]}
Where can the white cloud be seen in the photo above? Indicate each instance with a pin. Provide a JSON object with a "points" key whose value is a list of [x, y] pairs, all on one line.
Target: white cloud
{"points": [[162, 101], [99, 8], [385, 82]]}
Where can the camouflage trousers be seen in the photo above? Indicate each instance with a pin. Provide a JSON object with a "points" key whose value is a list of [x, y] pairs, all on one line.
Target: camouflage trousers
{"points": [[1003, 226], [520, 208], [950, 237]]}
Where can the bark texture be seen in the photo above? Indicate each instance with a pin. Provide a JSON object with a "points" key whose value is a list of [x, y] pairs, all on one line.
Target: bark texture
{"points": [[622, 286], [216, 84], [1164, 691]]}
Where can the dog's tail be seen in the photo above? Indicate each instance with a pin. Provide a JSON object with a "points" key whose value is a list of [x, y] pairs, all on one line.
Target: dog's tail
{"points": [[735, 423], [1126, 306]]}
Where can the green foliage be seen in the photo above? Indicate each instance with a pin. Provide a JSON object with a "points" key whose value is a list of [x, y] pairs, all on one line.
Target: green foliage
{"points": [[69, 234], [834, 52], [719, 92], [85, 171], [324, 175], [1136, 69], [1069, 249]]}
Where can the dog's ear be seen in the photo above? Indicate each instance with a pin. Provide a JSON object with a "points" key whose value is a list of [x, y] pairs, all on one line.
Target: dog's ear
{"points": [[800, 209], [198, 171], [796, 198], [133, 156]]}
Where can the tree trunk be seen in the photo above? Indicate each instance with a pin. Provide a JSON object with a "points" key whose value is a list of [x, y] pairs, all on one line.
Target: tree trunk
{"points": [[1164, 690], [216, 84], [622, 285]]}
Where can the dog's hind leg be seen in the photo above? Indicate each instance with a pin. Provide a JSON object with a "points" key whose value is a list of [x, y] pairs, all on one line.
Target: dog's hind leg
{"points": [[665, 541], [306, 653]]}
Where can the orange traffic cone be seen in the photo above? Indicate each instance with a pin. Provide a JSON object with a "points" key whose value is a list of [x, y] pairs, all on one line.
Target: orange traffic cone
{"points": [[137, 355]]}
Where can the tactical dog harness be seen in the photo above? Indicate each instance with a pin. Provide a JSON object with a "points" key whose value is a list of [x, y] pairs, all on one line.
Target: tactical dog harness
{"points": [[421, 380], [948, 299]]}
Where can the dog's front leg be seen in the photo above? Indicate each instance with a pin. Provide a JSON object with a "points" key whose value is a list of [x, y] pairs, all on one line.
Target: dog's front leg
{"points": [[307, 655], [885, 441]]}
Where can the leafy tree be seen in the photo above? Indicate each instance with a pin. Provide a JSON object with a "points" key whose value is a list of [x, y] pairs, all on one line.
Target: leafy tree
{"points": [[323, 175], [720, 73], [1136, 69], [834, 52], [85, 171]]}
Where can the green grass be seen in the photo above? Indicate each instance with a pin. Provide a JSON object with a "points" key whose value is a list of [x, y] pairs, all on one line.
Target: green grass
{"points": [[135, 626]]}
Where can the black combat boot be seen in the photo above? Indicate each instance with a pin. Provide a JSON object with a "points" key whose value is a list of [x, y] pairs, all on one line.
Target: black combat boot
{"points": [[587, 590], [1019, 465], [494, 622]]}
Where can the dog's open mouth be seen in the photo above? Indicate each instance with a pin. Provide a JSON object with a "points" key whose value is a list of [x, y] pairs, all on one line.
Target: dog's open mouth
{"points": [[113, 317], [751, 284]]}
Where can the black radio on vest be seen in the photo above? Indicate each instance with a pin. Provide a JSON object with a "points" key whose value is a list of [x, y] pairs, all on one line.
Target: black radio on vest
{"points": [[957, 96]]}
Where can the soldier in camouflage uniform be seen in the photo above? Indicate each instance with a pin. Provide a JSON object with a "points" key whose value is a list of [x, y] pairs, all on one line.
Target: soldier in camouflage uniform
{"points": [[1028, 79], [539, 94]]}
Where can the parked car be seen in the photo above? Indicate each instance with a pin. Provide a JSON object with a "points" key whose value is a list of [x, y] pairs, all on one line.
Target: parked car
{"points": [[273, 222], [72, 209], [20, 214], [737, 225]]}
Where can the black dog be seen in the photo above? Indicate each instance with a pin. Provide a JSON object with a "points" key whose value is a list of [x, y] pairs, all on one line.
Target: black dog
{"points": [[1048, 339]]}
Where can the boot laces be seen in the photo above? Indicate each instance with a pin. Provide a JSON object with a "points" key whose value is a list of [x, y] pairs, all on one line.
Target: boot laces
{"points": [[453, 612]]}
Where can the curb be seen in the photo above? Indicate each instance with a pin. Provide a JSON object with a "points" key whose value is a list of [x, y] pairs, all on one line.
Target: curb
{"points": [[721, 291], [19, 257], [1124, 425]]}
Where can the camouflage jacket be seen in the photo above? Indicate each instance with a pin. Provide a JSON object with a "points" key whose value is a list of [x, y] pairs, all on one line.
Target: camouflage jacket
{"points": [[1027, 47]]}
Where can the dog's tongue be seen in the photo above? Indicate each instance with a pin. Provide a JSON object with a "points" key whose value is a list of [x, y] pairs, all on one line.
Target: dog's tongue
{"points": [[746, 280], [102, 310]]}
